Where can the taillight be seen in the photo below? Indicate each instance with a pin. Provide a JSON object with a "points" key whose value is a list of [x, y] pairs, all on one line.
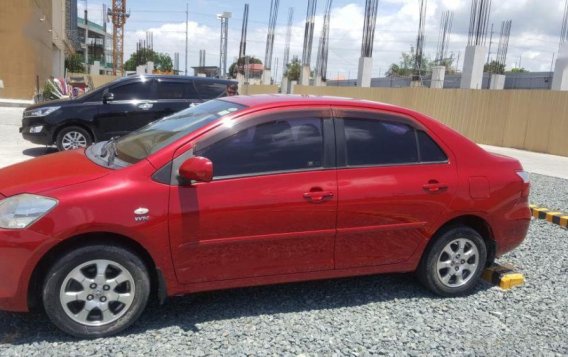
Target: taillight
{"points": [[524, 176], [526, 180]]}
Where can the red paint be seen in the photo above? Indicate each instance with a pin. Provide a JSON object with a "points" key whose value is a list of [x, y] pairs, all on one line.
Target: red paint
{"points": [[197, 168], [265, 229]]}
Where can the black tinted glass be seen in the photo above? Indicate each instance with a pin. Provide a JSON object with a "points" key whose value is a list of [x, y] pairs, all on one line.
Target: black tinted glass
{"points": [[429, 150], [131, 91], [281, 145], [373, 142], [211, 90], [171, 90]]}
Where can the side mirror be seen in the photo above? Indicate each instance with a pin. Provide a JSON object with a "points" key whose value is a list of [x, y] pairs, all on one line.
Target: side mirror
{"points": [[197, 168], [107, 97]]}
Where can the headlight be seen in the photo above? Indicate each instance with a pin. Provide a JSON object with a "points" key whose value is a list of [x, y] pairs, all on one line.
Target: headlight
{"points": [[40, 112], [21, 211]]}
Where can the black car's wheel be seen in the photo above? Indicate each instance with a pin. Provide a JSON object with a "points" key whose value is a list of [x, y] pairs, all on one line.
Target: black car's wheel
{"points": [[454, 262], [73, 137], [96, 291]]}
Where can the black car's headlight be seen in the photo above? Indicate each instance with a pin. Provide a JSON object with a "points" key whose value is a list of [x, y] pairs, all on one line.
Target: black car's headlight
{"points": [[40, 112], [21, 211]]}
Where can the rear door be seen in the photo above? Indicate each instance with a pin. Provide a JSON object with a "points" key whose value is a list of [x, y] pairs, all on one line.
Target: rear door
{"points": [[131, 109], [173, 95], [394, 184]]}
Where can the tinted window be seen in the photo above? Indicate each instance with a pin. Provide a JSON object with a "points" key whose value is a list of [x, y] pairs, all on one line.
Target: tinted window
{"points": [[280, 145], [374, 142], [429, 150], [136, 90], [171, 90], [139, 144], [210, 89]]}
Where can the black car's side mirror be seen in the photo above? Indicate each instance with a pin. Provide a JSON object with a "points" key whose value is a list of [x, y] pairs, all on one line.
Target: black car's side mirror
{"points": [[107, 97]]}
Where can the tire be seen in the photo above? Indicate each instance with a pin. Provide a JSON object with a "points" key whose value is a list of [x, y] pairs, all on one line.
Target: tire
{"points": [[85, 303], [73, 137], [454, 262]]}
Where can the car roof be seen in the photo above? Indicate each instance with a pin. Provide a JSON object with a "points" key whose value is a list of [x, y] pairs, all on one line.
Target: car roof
{"points": [[169, 76], [282, 100]]}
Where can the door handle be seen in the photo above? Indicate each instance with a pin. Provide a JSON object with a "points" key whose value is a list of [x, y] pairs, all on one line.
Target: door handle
{"points": [[318, 196], [145, 106], [434, 186]]}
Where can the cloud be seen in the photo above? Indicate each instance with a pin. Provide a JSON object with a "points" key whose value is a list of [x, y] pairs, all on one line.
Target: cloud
{"points": [[534, 35]]}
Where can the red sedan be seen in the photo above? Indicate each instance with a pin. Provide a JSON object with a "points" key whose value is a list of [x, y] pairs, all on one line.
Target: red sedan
{"points": [[246, 191]]}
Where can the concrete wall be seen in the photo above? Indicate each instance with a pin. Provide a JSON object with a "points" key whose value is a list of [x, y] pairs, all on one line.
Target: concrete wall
{"points": [[535, 120], [25, 46]]}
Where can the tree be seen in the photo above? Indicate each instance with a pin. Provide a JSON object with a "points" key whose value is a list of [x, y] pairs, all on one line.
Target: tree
{"points": [[405, 67], [518, 70], [162, 61], [240, 65], [74, 63], [293, 70], [494, 67]]}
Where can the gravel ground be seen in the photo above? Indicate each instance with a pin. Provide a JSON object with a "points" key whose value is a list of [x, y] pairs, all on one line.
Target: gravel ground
{"points": [[388, 314], [549, 192]]}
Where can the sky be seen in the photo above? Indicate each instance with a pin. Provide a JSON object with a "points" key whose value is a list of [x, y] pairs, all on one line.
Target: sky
{"points": [[535, 32]]}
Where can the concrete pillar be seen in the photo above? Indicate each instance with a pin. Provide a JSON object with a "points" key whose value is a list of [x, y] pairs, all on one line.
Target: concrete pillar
{"points": [[497, 82], [365, 72], [305, 75], [317, 81], [95, 68], [438, 76], [472, 74], [266, 77], [150, 67], [560, 76], [292, 85], [284, 89]]}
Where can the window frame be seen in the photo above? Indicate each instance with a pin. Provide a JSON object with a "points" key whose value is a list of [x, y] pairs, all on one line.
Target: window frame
{"points": [[322, 113], [152, 96], [341, 115]]}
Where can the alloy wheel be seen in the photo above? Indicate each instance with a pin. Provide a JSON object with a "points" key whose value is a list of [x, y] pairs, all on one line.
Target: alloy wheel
{"points": [[458, 262], [97, 292], [73, 140]]}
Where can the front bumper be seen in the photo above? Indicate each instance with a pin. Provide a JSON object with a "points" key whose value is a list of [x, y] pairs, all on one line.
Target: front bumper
{"points": [[20, 251], [44, 137]]}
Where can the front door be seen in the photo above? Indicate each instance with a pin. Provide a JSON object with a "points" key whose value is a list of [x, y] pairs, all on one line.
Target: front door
{"points": [[271, 207], [394, 186], [131, 109]]}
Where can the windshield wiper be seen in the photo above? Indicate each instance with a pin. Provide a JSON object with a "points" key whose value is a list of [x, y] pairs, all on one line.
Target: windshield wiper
{"points": [[109, 150]]}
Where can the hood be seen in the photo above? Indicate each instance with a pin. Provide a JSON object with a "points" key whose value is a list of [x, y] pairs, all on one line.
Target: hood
{"points": [[51, 103], [49, 172]]}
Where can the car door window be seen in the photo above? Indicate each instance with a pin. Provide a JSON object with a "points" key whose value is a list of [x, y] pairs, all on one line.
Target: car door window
{"points": [[171, 90], [274, 146], [429, 150], [133, 91], [211, 90], [376, 142]]}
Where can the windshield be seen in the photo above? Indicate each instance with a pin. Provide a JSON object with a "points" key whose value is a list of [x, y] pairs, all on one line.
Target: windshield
{"points": [[151, 138]]}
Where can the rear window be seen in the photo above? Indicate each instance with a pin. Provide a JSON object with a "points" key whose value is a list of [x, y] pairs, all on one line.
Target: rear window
{"points": [[176, 90], [429, 150], [211, 90], [375, 142]]}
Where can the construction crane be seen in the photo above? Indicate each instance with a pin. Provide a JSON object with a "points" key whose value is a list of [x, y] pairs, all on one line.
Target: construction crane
{"points": [[118, 15]]}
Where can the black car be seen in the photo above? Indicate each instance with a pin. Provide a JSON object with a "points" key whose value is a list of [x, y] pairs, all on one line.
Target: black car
{"points": [[117, 108]]}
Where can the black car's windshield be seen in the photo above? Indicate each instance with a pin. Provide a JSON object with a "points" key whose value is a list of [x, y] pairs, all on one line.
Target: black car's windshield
{"points": [[151, 138]]}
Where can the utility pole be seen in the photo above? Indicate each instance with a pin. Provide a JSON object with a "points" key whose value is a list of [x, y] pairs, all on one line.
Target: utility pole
{"points": [[86, 38], [186, 33]]}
